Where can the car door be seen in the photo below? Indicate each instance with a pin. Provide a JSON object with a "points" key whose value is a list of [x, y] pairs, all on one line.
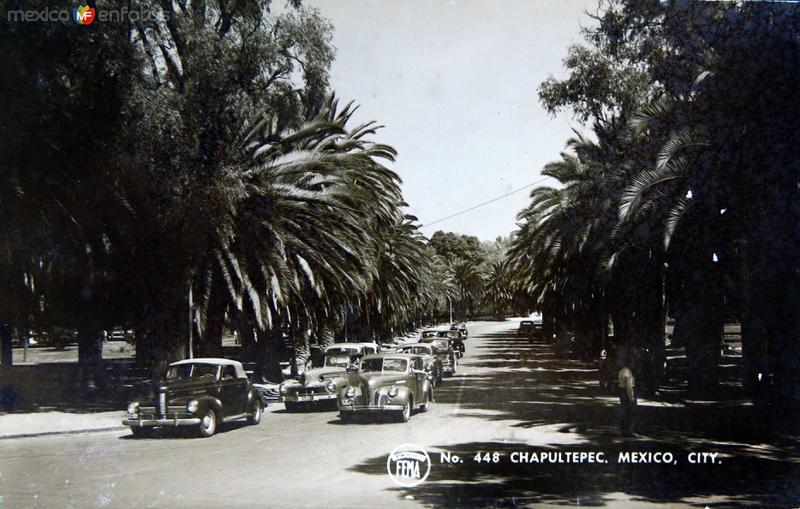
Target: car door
{"points": [[418, 378], [233, 392]]}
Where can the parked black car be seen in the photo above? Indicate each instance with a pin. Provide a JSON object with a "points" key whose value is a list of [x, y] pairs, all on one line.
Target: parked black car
{"points": [[198, 393]]}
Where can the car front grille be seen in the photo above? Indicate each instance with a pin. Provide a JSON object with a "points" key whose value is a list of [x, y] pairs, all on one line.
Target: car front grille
{"points": [[379, 399], [308, 391], [150, 412]]}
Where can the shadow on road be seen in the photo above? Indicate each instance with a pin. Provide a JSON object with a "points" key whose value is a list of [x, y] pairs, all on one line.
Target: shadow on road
{"points": [[525, 384]]}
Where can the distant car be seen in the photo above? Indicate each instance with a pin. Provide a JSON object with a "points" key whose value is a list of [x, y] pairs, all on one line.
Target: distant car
{"points": [[456, 338], [199, 393], [388, 382], [525, 328], [429, 333], [431, 363], [323, 383], [444, 351], [461, 327]]}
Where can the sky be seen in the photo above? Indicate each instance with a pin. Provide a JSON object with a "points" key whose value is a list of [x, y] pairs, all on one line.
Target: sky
{"points": [[455, 85]]}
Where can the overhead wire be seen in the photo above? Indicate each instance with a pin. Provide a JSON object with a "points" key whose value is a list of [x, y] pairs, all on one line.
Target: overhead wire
{"points": [[498, 198]]}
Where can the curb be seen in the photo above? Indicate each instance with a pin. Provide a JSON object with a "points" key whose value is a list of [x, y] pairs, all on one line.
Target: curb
{"points": [[70, 432]]}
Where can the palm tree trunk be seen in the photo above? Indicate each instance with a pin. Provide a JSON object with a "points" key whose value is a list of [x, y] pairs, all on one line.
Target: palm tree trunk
{"points": [[90, 355], [268, 347], [210, 343], [6, 345], [698, 321]]}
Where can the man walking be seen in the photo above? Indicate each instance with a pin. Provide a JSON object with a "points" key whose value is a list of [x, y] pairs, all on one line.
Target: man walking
{"points": [[627, 392]]}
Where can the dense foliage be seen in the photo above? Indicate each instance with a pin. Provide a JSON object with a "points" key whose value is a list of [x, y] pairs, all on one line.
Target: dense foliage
{"points": [[685, 197], [197, 157]]}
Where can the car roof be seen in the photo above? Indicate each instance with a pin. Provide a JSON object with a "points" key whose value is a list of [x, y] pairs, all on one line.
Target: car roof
{"points": [[414, 344], [395, 355], [350, 346], [217, 361]]}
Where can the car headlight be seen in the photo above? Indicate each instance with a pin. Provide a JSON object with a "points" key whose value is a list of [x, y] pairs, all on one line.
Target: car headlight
{"points": [[282, 388], [393, 391], [133, 407], [191, 407], [331, 386], [351, 391]]}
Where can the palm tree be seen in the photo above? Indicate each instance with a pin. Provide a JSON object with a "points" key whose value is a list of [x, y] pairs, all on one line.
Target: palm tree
{"points": [[496, 290]]}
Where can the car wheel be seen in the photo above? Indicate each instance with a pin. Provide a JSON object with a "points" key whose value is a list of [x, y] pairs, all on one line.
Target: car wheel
{"points": [[255, 414], [291, 406], [140, 431], [346, 417], [405, 413], [208, 424]]}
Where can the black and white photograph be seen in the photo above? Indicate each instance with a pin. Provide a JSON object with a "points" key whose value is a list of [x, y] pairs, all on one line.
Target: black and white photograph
{"points": [[399, 253]]}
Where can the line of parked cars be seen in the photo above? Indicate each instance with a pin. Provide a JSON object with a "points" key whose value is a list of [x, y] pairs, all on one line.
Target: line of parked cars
{"points": [[362, 378]]}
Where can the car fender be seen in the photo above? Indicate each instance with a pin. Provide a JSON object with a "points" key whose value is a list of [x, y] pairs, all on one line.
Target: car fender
{"points": [[339, 381], [208, 402], [254, 395], [403, 395]]}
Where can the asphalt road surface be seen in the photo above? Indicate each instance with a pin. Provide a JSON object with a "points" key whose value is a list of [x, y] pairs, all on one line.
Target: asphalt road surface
{"points": [[509, 396]]}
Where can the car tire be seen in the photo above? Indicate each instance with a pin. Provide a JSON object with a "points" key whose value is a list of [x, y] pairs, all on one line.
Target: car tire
{"points": [[141, 431], [291, 406], [405, 413], [345, 417], [208, 424], [255, 413]]}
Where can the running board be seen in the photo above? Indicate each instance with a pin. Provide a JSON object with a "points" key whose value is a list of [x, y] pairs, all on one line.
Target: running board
{"points": [[234, 417]]}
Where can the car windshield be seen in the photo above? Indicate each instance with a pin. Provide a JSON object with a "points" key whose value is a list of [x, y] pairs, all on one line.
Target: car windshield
{"points": [[341, 350], [419, 350], [192, 371], [339, 361], [440, 346], [385, 364]]}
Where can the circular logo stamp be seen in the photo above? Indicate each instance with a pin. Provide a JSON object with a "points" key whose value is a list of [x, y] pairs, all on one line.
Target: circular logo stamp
{"points": [[408, 465]]}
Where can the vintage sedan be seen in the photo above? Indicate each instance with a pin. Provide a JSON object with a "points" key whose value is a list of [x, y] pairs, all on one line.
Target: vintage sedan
{"points": [[431, 363], [388, 382], [525, 328], [460, 327], [456, 339], [429, 333], [443, 350], [198, 393], [323, 383]]}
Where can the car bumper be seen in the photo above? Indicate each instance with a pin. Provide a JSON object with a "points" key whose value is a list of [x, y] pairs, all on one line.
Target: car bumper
{"points": [[306, 398], [369, 408], [167, 421]]}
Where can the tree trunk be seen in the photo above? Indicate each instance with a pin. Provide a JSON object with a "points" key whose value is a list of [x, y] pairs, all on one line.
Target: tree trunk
{"points": [[6, 345], [209, 344], [325, 334], [90, 356], [699, 322], [268, 350]]}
